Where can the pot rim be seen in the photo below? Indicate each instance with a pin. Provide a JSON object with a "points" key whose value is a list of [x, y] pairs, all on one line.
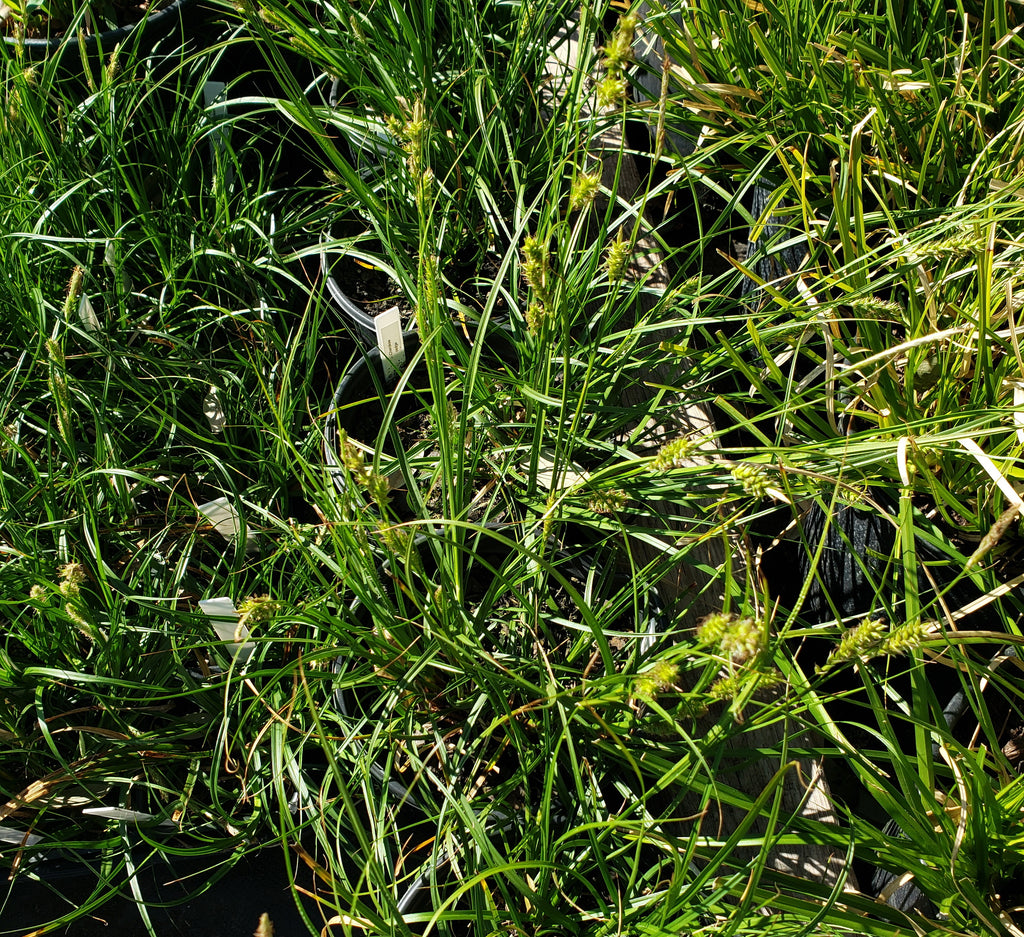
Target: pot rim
{"points": [[106, 39], [367, 364]]}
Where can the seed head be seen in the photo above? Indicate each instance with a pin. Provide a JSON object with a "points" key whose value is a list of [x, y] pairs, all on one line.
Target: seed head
{"points": [[378, 487], [905, 638], [619, 51], [752, 478], [74, 291], [739, 639], [73, 573], [535, 316], [675, 454], [713, 627], [608, 502], [535, 263], [611, 92], [351, 457], [742, 640], [660, 676], [617, 258], [860, 641], [584, 190], [729, 686], [259, 608], [113, 64]]}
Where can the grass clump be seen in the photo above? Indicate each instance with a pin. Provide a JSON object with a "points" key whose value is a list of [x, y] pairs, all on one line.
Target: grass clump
{"points": [[500, 641]]}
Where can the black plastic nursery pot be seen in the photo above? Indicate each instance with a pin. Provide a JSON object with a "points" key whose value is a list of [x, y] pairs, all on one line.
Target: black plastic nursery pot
{"points": [[359, 291], [174, 894], [145, 36], [365, 396], [361, 402], [359, 319]]}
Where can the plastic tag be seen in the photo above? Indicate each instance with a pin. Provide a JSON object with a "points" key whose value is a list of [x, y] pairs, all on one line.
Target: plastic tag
{"points": [[17, 837], [213, 410], [222, 514], [117, 813], [224, 617], [216, 101], [87, 315], [1018, 403], [390, 342]]}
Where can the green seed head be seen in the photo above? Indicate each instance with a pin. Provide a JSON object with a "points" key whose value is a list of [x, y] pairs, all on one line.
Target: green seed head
{"points": [[742, 640], [617, 258], [608, 502], [259, 608], [739, 639], [660, 676], [863, 641], [535, 263], [752, 478], [675, 454], [619, 51], [535, 316], [611, 92], [584, 190]]}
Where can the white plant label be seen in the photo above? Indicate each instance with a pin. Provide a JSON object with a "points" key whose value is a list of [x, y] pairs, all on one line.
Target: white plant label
{"points": [[216, 101], [17, 837], [87, 315], [1018, 404], [124, 281], [213, 410], [224, 617], [119, 813], [390, 342], [222, 514]]}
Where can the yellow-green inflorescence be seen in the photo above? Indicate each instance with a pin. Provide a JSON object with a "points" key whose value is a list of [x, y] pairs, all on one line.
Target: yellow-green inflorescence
{"points": [[375, 485], [611, 90], [675, 454], [74, 291], [617, 258], [70, 577], [659, 677], [739, 639], [873, 638], [609, 501], [536, 270], [258, 608], [59, 388], [752, 478], [584, 190]]}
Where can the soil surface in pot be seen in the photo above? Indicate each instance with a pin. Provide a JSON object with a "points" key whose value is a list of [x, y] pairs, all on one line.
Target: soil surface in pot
{"points": [[375, 291], [371, 287], [230, 908]]}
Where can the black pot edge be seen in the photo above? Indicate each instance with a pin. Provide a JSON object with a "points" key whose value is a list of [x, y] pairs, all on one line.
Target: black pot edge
{"points": [[40, 48]]}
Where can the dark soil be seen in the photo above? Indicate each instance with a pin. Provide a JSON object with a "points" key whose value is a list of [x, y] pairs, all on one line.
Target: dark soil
{"points": [[362, 422], [230, 908], [371, 288], [375, 292]]}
